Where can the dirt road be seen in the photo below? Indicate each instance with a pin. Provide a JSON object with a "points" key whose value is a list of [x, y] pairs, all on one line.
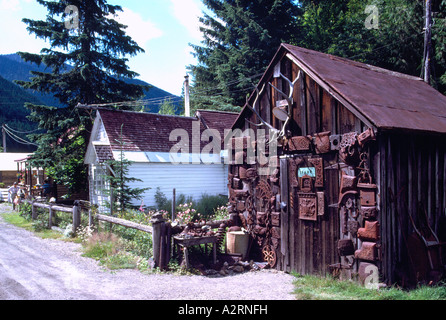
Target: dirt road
{"points": [[32, 268]]}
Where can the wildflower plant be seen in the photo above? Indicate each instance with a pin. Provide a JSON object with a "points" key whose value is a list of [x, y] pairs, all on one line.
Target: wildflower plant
{"points": [[186, 214]]}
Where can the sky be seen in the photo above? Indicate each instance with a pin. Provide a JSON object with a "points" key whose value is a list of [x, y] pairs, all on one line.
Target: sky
{"points": [[163, 28]]}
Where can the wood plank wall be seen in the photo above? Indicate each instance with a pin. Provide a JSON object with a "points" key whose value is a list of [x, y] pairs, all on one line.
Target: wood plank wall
{"points": [[411, 171], [412, 166]]}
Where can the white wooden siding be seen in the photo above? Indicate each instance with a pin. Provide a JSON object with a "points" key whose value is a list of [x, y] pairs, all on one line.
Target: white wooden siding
{"points": [[188, 179]]}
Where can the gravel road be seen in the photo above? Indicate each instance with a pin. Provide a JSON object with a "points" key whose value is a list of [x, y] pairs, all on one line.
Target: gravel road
{"points": [[32, 268]]}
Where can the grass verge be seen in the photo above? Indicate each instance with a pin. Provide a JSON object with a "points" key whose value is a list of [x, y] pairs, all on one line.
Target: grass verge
{"points": [[327, 288]]}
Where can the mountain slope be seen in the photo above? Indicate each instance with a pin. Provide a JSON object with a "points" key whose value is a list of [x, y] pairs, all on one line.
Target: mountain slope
{"points": [[12, 67], [13, 97]]}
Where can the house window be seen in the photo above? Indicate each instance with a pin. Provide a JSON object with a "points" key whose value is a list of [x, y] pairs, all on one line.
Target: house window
{"points": [[99, 187]]}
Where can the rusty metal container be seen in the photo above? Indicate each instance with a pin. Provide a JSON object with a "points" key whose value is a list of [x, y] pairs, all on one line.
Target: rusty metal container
{"points": [[237, 242]]}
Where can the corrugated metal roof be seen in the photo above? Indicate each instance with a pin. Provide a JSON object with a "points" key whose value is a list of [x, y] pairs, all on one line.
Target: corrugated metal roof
{"points": [[388, 99]]}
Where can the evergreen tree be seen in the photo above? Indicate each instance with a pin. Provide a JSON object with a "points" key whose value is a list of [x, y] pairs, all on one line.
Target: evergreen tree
{"points": [[395, 43], [86, 65], [240, 39], [120, 191]]}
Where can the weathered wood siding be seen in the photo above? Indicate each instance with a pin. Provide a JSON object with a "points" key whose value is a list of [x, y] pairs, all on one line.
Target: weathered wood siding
{"points": [[410, 170]]}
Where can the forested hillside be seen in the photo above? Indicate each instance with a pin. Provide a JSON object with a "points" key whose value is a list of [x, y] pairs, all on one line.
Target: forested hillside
{"points": [[13, 98]]}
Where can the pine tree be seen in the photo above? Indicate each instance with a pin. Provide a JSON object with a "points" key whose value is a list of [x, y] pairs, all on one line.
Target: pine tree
{"points": [[86, 65], [240, 39]]}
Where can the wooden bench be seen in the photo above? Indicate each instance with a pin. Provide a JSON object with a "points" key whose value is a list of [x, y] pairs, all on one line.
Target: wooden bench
{"points": [[188, 242]]}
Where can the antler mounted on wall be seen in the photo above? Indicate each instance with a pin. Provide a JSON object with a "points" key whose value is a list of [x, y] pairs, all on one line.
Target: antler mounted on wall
{"points": [[287, 97], [254, 109]]}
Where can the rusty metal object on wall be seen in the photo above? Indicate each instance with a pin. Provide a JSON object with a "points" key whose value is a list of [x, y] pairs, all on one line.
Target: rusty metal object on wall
{"points": [[263, 190], [346, 247], [368, 252], [260, 231], [261, 218], [347, 183], [353, 227], [367, 194], [306, 183], [322, 142], [367, 135], [369, 213], [335, 142], [318, 165], [275, 219], [370, 232], [348, 151], [275, 232], [307, 205], [292, 173], [299, 143]]}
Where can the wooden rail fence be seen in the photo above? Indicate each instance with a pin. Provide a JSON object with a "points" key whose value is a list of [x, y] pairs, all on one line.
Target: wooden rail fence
{"points": [[75, 210], [161, 230]]}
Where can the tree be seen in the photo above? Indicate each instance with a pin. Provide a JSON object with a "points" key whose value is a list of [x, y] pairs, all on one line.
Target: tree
{"points": [[120, 191], [240, 39], [86, 65], [395, 42]]}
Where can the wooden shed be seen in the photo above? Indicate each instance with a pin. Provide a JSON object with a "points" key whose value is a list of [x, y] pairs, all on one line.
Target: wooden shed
{"points": [[360, 183]]}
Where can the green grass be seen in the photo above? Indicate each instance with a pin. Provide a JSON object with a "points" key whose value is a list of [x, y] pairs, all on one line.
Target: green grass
{"points": [[328, 288], [14, 218]]}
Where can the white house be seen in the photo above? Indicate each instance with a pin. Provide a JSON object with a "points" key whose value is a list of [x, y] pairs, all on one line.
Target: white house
{"points": [[162, 151]]}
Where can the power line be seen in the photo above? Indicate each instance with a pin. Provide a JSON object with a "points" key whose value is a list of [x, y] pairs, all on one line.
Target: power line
{"points": [[21, 132], [17, 138]]}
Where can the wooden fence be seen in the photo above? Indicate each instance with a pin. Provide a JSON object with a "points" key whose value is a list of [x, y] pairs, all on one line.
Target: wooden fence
{"points": [[161, 230], [75, 210]]}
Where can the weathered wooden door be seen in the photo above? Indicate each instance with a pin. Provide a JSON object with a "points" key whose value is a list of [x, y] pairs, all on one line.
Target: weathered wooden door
{"points": [[310, 220]]}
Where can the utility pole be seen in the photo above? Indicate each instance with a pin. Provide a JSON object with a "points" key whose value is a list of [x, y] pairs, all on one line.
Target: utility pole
{"points": [[4, 137], [428, 42]]}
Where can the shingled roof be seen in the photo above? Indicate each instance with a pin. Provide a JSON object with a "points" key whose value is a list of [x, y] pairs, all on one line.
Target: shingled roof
{"points": [[382, 98], [219, 120], [149, 132]]}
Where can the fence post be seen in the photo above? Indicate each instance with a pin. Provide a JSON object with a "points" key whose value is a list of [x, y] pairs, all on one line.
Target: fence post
{"points": [[158, 225], [50, 223], [33, 211], [173, 204], [76, 216]]}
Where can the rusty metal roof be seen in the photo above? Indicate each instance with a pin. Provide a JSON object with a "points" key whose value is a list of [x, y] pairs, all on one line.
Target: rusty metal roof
{"points": [[388, 99], [382, 98]]}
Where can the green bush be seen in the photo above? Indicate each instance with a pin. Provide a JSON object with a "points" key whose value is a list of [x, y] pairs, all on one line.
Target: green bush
{"points": [[136, 241], [206, 206]]}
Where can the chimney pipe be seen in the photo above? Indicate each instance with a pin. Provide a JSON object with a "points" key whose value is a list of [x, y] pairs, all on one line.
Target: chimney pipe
{"points": [[186, 97]]}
